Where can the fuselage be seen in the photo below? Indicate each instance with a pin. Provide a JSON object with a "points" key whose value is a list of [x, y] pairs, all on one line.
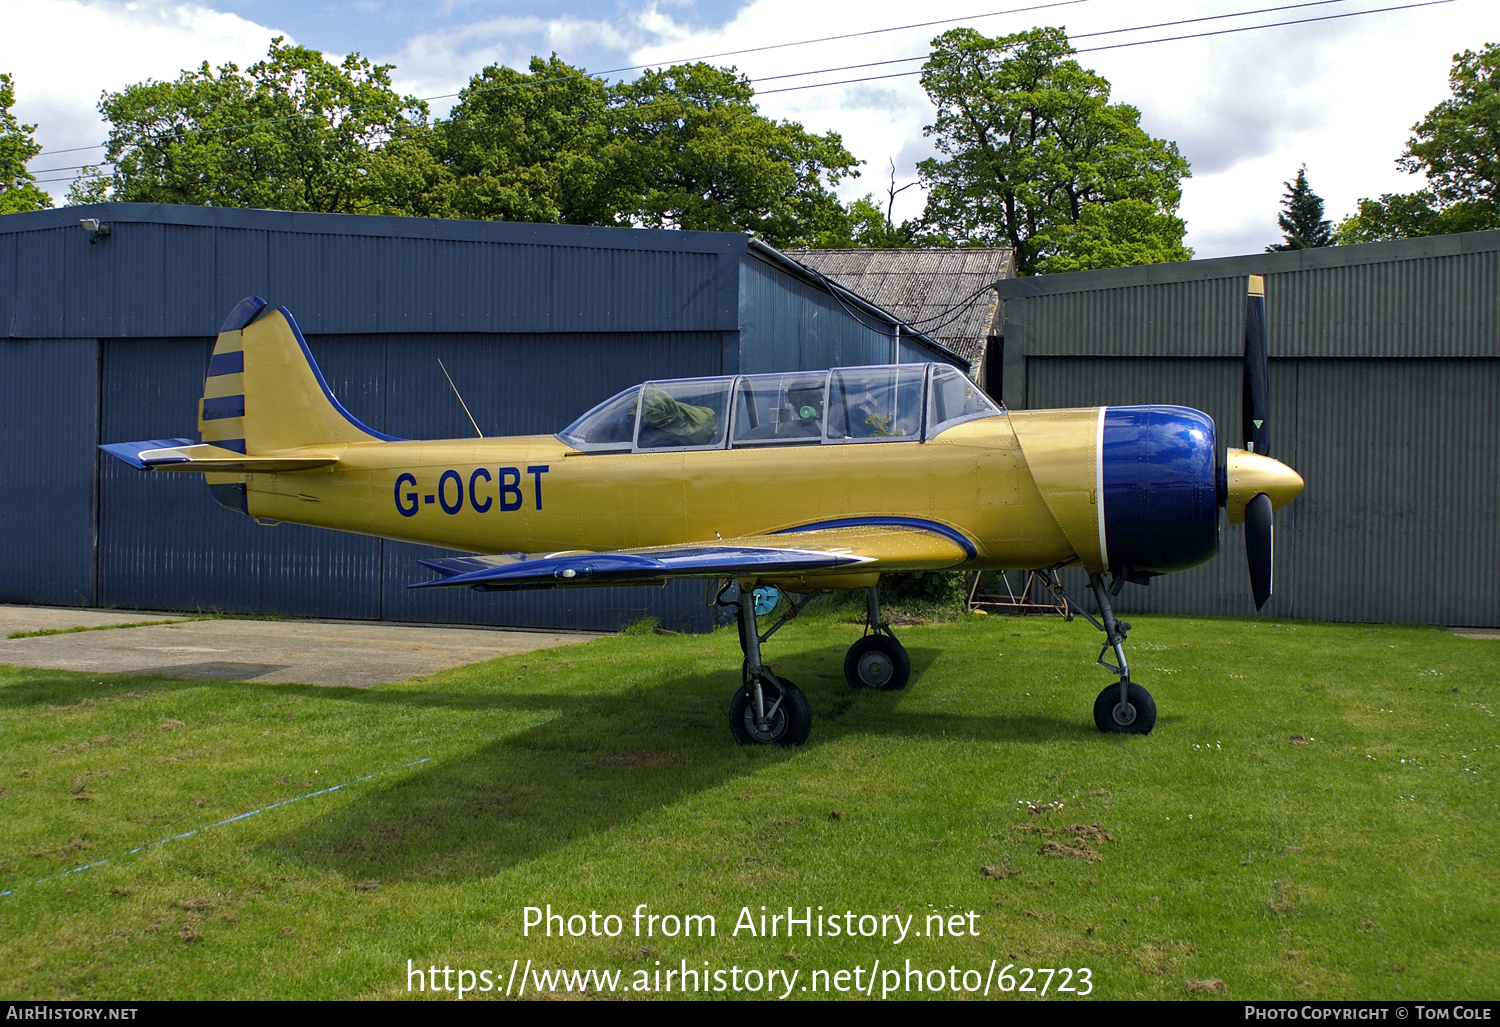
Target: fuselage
{"points": [[1024, 488]]}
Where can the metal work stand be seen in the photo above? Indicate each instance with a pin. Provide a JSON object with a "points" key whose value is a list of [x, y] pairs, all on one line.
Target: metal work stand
{"points": [[1053, 600]]}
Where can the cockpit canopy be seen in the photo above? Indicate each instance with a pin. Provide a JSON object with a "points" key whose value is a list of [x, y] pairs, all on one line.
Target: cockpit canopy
{"points": [[885, 403]]}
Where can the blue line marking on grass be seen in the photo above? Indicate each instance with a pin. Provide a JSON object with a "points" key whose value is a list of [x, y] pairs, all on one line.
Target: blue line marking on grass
{"points": [[221, 823]]}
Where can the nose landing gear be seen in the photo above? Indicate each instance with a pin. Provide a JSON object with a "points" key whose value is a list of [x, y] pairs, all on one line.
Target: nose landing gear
{"points": [[1125, 708]]}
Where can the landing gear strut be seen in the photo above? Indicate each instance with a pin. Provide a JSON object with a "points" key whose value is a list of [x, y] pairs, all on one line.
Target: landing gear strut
{"points": [[1125, 708], [766, 710], [877, 660]]}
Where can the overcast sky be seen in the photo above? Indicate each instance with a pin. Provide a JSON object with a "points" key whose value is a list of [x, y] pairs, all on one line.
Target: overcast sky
{"points": [[1246, 109]]}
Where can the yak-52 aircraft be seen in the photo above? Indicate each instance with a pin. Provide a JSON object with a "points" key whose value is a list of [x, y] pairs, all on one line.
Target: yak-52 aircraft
{"points": [[807, 481]]}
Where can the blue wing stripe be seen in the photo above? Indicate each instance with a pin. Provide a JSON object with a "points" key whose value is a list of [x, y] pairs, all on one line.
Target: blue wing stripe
{"points": [[890, 522], [602, 568]]}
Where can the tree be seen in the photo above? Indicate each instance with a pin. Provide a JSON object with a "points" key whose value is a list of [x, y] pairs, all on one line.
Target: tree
{"points": [[293, 132], [689, 150], [527, 147], [1301, 217], [681, 147], [1118, 234], [1029, 143], [1457, 148], [864, 226], [18, 189]]}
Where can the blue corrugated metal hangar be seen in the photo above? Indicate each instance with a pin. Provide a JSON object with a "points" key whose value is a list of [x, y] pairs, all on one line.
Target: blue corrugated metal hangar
{"points": [[108, 332]]}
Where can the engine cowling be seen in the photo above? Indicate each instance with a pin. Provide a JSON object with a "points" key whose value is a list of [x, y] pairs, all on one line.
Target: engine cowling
{"points": [[1159, 472]]}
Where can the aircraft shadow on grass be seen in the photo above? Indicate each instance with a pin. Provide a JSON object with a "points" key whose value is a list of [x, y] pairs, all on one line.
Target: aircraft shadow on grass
{"points": [[600, 762], [590, 764]]}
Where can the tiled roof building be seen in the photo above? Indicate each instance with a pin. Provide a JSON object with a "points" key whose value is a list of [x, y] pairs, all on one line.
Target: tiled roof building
{"points": [[927, 289]]}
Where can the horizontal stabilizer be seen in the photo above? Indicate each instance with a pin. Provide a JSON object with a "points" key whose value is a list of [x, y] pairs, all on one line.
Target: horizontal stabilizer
{"points": [[186, 455]]}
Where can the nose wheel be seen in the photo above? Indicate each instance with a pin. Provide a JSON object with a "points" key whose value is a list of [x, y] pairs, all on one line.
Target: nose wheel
{"points": [[1136, 715]]}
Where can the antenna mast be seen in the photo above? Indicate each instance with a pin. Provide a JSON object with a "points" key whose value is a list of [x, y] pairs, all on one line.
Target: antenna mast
{"points": [[460, 399]]}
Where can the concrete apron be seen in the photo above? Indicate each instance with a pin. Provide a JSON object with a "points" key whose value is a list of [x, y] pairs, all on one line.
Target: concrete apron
{"points": [[352, 653]]}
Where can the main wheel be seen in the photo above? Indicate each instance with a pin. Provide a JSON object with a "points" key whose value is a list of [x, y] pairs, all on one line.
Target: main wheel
{"points": [[789, 724], [877, 661], [1136, 717]]}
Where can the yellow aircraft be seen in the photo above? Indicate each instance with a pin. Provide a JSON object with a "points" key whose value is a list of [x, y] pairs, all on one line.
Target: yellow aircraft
{"points": [[807, 481]]}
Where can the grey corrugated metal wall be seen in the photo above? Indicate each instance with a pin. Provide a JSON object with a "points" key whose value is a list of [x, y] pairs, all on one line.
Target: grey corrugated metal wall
{"points": [[1385, 378]]}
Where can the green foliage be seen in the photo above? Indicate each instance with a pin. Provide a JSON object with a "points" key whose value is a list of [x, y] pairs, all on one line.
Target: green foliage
{"points": [[644, 626], [928, 594], [293, 132], [1118, 234], [1457, 148], [865, 226], [689, 150], [527, 147], [92, 185], [1030, 142], [1301, 217], [18, 189]]}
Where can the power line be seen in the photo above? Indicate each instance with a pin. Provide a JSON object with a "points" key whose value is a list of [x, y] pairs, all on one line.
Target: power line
{"points": [[735, 53], [869, 78], [1112, 46], [1081, 35], [643, 67]]}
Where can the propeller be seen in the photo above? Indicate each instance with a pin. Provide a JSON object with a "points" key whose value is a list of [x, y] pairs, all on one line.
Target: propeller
{"points": [[1255, 401], [1254, 413], [1253, 484], [1258, 544]]}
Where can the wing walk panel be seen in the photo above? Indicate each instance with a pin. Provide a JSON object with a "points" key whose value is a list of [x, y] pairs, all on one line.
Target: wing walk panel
{"points": [[844, 548]]}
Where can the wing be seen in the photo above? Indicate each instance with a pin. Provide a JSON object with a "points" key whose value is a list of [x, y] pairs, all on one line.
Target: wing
{"points": [[839, 547]]}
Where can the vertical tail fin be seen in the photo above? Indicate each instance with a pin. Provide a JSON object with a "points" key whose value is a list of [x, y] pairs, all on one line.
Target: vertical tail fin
{"points": [[264, 392]]}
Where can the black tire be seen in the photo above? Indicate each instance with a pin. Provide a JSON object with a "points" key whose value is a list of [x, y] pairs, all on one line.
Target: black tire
{"points": [[790, 724], [1138, 720], [879, 662]]}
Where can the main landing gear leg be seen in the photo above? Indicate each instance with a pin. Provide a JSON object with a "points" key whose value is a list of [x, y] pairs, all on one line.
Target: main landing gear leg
{"points": [[1126, 708], [766, 710], [877, 660]]}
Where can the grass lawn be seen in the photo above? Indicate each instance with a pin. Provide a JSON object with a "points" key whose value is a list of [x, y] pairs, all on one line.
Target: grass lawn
{"points": [[1315, 816]]}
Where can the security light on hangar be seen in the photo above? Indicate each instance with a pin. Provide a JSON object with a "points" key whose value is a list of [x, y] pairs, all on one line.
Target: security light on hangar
{"points": [[108, 334]]}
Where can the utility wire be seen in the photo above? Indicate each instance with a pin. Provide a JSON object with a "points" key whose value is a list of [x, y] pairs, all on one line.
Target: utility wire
{"points": [[1081, 35], [732, 53], [643, 67], [1095, 49], [869, 78]]}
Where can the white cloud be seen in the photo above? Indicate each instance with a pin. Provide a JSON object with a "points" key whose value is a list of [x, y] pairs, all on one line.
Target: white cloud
{"points": [[1246, 109], [63, 54], [441, 61]]}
